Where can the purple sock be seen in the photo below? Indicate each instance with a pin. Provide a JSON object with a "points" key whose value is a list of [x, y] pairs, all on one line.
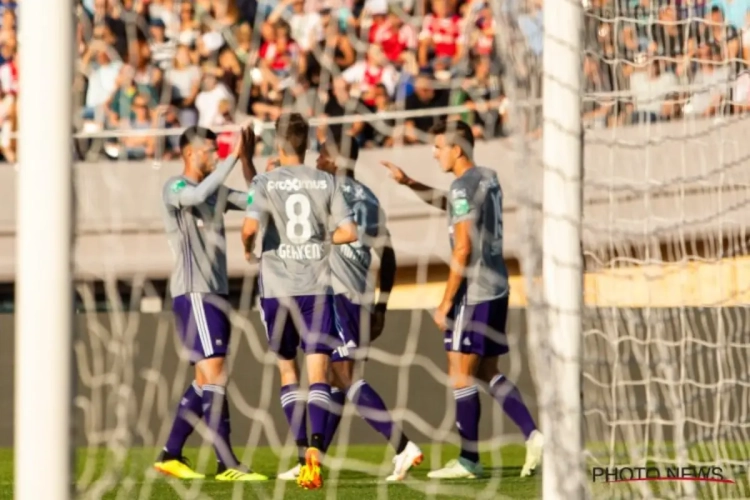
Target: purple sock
{"points": [[216, 415], [510, 399], [338, 399], [295, 411], [372, 408], [467, 421], [191, 406], [318, 406]]}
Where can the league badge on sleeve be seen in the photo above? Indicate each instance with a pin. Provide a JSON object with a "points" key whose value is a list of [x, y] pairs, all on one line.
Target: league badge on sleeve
{"points": [[250, 196], [460, 207], [178, 186]]}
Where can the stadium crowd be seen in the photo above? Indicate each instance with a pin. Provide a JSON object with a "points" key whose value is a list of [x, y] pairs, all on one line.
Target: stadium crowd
{"points": [[167, 64], [171, 64]]}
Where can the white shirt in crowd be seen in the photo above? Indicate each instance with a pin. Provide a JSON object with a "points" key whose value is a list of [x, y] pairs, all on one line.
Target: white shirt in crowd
{"points": [[102, 83], [365, 75], [207, 104]]}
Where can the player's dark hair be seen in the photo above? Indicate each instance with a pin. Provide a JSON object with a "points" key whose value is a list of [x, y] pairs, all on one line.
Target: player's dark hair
{"points": [[457, 133], [193, 135], [293, 132]]}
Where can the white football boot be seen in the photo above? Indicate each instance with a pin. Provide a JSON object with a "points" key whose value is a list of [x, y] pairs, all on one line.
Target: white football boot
{"points": [[458, 469], [534, 450], [290, 475], [410, 457]]}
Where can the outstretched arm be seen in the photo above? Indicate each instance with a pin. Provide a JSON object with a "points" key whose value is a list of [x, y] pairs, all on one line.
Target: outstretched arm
{"points": [[182, 194], [432, 196]]}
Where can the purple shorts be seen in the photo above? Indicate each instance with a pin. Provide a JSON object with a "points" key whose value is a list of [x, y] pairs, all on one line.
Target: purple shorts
{"points": [[352, 325], [202, 324], [305, 321], [478, 328]]}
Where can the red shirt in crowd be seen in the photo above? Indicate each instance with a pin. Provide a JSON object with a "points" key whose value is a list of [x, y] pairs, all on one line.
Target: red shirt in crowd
{"points": [[483, 44], [394, 40], [279, 60], [445, 33]]}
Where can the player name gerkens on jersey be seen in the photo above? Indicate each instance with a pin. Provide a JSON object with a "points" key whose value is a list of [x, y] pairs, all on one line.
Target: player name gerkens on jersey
{"points": [[307, 251]]}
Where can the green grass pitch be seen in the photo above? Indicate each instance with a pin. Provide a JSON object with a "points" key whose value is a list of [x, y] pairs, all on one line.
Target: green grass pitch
{"points": [[136, 480], [109, 475]]}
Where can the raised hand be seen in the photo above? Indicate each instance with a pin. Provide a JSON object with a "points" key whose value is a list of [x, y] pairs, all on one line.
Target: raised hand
{"points": [[396, 172]]}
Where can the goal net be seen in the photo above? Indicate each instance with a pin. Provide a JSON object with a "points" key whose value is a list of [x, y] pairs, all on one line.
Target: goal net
{"points": [[665, 203], [663, 371]]}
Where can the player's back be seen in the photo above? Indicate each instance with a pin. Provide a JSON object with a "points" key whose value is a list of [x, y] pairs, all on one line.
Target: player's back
{"points": [[296, 244], [350, 263], [477, 196], [196, 235]]}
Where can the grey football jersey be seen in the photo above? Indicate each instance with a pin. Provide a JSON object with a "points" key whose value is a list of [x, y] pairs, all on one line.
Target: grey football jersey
{"points": [[350, 263], [297, 207], [194, 221], [477, 196]]}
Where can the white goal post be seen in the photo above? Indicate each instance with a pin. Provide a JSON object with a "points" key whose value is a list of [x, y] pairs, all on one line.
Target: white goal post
{"points": [[43, 335], [560, 346]]}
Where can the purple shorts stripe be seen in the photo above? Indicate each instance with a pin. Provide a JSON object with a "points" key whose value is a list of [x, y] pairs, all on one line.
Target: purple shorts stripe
{"points": [[202, 325], [351, 321], [305, 321], [478, 328]]}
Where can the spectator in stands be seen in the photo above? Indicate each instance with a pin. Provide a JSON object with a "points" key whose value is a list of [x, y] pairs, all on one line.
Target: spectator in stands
{"points": [[120, 105], [139, 147], [231, 71], [9, 68], [482, 31], [210, 97], [280, 63], [168, 13], [397, 39], [441, 41], [305, 24], [184, 80], [333, 53], [244, 49], [425, 98], [712, 82], [162, 49], [102, 73], [365, 75], [336, 104], [189, 28], [485, 98], [653, 91]]}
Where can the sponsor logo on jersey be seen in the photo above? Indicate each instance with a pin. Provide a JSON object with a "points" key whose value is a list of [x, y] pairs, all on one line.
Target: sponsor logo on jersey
{"points": [[296, 185], [308, 251], [458, 193]]}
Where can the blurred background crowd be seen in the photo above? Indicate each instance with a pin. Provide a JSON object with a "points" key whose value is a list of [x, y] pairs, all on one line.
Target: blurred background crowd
{"points": [[382, 70]]}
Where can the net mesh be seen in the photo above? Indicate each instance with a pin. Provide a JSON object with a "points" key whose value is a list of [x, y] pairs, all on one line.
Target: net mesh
{"points": [[164, 65], [665, 371]]}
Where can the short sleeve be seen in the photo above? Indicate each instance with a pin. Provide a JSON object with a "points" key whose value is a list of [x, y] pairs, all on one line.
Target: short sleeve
{"points": [[340, 211], [257, 203], [461, 205]]}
